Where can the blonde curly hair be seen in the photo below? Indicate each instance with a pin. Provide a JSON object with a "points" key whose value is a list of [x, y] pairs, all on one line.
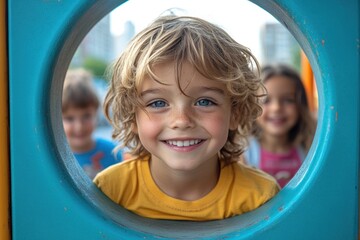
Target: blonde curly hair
{"points": [[208, 48]]}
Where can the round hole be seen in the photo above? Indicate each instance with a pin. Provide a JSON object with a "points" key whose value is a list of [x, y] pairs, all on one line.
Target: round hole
{"points": [[247, 223]]}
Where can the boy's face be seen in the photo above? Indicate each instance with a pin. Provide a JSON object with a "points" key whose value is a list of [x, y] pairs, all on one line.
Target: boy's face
{"points": [[79, 123], [183, 133]]}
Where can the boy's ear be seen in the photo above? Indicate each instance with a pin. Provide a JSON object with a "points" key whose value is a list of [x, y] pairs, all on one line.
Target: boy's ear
{"points": [[234, 120]]}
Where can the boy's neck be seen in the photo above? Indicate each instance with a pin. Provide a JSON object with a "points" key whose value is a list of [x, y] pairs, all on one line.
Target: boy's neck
{"points": [[187, 186]]}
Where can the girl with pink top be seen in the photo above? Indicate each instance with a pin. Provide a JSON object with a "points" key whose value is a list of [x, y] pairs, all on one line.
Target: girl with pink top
{"points": [[284, 132]]}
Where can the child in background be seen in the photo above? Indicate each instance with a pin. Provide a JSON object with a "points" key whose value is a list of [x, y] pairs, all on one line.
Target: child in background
{"points": [[284, 132], [182, 96], [79, 112]]}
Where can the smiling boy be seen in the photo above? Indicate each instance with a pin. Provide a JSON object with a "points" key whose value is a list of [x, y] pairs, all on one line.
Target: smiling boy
{"points": [[79, 113], [183, 97]]}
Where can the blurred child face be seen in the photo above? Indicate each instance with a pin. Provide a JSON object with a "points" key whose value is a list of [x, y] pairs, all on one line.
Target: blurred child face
{"points": [[183, 133], [280, 111], [79, 124]]}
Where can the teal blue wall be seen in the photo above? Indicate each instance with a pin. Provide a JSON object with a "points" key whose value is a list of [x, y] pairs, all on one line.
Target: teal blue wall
{"points": [[53, 199]]}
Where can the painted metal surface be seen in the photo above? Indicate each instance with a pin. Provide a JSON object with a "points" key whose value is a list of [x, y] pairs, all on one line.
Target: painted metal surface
{"points": [[51, 197]]}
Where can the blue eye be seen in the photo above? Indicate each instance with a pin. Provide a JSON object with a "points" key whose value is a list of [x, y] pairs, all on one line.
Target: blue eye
{"points": [[204, 102], [158, 104]]}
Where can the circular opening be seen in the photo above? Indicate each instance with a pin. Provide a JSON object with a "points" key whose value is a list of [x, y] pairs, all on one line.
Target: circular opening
{"points": [[127, 26]]}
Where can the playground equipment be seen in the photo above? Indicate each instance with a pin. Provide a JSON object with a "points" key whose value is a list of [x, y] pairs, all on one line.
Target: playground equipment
{"points": [[51, 198]]}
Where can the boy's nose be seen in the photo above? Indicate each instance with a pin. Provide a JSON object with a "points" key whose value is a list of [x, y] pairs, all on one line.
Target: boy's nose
{"points": [[182, 119]]}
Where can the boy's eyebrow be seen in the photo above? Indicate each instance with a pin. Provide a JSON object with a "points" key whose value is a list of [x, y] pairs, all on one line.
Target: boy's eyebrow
{"points": [[151, 90], [215, 89], [210, 89], [197, 89]]}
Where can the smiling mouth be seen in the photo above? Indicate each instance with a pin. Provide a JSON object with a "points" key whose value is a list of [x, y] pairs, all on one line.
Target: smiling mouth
{"points": [[277, 120], [185, 143]]}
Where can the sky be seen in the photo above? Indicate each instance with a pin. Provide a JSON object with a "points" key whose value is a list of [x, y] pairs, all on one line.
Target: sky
{"points": [[240, 18]]}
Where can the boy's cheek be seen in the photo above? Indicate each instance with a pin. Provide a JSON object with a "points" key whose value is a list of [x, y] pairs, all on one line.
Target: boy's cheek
{"points": [[67, 128]]}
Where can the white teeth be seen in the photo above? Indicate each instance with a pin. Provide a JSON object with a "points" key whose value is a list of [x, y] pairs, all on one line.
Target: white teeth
{"points": [[185, 143]]}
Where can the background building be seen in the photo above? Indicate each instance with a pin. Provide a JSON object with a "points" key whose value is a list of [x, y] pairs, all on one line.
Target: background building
{"points": [[98, 43], [124, 38], [278, 45]]}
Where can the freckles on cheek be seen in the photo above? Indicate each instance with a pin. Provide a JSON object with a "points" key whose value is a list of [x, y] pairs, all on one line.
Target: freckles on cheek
{"points": [[146, 125], [219, 125]]}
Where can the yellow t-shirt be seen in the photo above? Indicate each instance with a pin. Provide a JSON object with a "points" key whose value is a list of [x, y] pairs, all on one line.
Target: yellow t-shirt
{"points": [[239, 189]]}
